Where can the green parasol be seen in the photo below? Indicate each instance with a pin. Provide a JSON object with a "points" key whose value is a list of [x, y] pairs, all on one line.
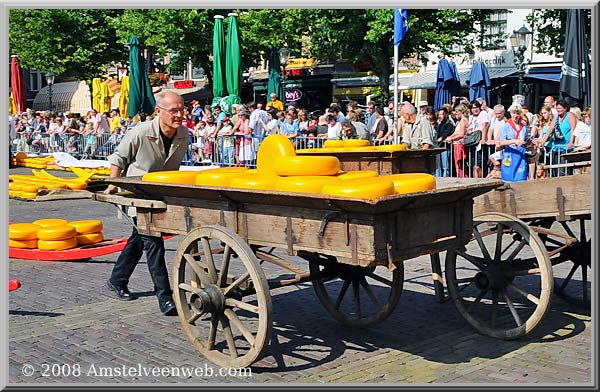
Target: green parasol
{"points": [[141, 98], [218, 57], [233, 63], [274, 84]]}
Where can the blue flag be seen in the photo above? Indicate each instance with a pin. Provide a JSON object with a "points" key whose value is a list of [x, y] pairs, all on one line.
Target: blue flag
{"points": [[400, 25]]}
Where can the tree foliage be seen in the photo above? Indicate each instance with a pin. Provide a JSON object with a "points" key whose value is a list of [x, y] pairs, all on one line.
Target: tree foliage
{"points": [[84, 42], [549, 27]]}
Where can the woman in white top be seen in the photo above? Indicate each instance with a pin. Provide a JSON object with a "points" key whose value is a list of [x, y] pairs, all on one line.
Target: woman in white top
{"points": [[583, 131]]}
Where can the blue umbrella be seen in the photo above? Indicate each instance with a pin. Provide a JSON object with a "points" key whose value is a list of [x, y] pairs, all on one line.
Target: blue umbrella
{"points": [[447, 83], [479, 82]]}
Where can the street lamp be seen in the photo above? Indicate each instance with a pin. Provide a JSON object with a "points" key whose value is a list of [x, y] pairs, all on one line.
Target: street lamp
{"points": [[284, 53], [50, 82], [519, 40]]}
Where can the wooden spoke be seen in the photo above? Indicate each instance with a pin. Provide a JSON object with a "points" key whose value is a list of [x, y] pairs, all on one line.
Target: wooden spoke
{"points": [[230, 314], [535, 300], [498, 250], [236, 283], [370, 293], [229, 337], [342, 293], [479, 239], [356, 294], [193, 318], [584, 282], [212, 333], [472, 259], [494, 307], [516, 251], [473, 304], [569, 277], [531, 271], [242, 305], [224, 267], [378, 278], [198, 270], [189, 288], [511, 307], [212, 271]]}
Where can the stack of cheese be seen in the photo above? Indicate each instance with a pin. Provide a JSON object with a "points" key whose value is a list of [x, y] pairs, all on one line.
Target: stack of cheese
{"points": [[353, 145], [55, 234], [280, 169], [88, 231]]}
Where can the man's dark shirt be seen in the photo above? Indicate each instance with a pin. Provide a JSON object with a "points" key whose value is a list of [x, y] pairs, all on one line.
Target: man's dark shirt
{"points": [[444, 129], [167, 142]]}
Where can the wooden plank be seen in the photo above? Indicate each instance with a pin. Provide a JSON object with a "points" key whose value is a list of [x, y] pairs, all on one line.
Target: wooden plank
{"points": [[539, 198]]}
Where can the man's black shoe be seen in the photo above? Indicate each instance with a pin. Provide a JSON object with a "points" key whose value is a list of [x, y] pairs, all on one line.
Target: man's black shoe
{"points": [[122, 293], [168, 308]]}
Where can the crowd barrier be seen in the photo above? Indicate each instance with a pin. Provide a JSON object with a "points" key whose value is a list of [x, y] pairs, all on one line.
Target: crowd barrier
{"points": [[242, 150]]}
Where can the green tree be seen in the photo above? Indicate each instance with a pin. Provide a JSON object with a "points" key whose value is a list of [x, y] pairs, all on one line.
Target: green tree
{"points": [[549, 27], [78, 43]]}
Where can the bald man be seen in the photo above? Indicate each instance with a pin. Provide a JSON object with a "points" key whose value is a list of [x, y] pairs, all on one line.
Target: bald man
{"points": [[417, 131], [151, 146]]}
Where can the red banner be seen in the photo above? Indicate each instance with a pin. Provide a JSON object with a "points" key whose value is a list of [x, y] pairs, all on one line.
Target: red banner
{"points": [[183, 84]]}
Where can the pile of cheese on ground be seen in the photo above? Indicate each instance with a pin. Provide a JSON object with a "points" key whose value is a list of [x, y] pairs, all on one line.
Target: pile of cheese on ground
{"points": [[280, 169], [54, 234], [26, 186]]}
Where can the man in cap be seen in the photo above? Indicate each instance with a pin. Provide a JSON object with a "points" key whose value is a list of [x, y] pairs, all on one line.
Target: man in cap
{"points": [[423, 109]]}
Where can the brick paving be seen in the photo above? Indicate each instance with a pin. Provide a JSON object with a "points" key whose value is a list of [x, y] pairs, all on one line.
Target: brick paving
{"points": [[62, 315]]}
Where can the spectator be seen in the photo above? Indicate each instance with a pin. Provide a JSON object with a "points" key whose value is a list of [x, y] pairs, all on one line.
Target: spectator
{"points": [[274, 103], [458, 148], [228, 141], [417, 132], [583, 131], [380, 129], [443, 128]]}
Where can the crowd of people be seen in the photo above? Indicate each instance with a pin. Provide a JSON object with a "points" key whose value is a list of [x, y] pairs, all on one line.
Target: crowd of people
{"points": [[479, 141]]}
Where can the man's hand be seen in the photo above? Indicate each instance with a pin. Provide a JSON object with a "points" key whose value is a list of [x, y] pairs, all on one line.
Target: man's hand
{"points": [[111, 189]]}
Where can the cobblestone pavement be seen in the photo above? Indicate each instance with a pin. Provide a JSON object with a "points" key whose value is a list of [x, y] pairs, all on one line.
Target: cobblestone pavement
{"points": [[63, 321]]}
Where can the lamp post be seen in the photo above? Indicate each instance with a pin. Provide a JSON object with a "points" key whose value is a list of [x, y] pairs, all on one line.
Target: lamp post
{"points": [[50, 82], [284, 53], [519, 40]]}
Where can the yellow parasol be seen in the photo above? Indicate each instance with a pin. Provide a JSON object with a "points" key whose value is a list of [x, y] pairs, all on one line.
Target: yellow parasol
{"points": [[124, 97], [106, 94], [12, 108], [96, 93]]}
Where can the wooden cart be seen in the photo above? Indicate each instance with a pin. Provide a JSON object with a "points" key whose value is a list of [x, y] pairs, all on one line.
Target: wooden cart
{"points": [[355, 251], [548, 205]]}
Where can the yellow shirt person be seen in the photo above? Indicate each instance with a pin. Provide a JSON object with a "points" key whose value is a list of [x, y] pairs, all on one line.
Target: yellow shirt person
{"points": [[274, 103]]}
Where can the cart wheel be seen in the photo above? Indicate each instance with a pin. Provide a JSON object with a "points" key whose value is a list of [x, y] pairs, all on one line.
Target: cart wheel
{"points": [[501, 282], [356, 296], [571, 283], [222, 297]]}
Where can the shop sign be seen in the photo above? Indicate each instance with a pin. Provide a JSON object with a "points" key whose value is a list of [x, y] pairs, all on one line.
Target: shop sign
{"points": [[293, 95], [183, 84], [300, 62]]}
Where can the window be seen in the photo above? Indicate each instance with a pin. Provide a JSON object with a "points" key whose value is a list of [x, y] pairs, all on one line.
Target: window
{"points": [[494, 30]]}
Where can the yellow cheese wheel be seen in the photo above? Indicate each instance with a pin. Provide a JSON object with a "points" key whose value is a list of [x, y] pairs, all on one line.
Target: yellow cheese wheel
{"points": [[412, 182], [355, 143], [28, 195], [17, 193], [22, 244], [11, 193], [364, 188], [21, 155], [272, 148], [87, 226], [57, 245], [304, 184], [54, 233], [89, 238], [32, 188], [23, 231], [252, 171], [15, 186], [218, 177], [50, 222], [171, 176], [392, 147], [49, 184], [76, 185], [307, 166], [254, 181], [349, 175], [333, 143], [309, 150]]}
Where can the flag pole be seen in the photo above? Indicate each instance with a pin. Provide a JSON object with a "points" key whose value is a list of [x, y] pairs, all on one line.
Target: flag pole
{"points": [[395, 114]]}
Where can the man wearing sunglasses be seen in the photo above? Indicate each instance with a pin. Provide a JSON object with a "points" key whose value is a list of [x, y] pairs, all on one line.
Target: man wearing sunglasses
{"points": [[151, 146]]}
